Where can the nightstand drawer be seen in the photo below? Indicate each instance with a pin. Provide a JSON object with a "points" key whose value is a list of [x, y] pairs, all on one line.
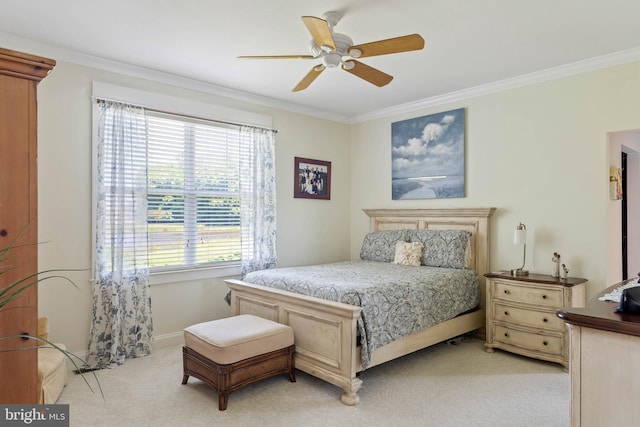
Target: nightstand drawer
{"points": [[528, 340], [551, 298], [530, 318]]}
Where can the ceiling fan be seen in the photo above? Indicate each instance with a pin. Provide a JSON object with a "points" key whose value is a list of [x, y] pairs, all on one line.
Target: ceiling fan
{"points": [[335, 49]]}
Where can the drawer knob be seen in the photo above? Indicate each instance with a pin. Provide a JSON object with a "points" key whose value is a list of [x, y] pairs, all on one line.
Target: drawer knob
{"points": [[506, 291], [506, 334], [545, 320], [544, 297], [506, 313], [544, 342]]}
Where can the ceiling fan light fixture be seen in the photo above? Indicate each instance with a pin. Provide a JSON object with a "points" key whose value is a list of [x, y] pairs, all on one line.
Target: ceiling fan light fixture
{"points": [[355, 53], [331, 60], [327, 48], [315, 50], [348, 65]]}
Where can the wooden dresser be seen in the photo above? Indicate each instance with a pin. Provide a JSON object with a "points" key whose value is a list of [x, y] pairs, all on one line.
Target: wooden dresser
{"points": [[521, 314], [19, 77], [605, 378]]}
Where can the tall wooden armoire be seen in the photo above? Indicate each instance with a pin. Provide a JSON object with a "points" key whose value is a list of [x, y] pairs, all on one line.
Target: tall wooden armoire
{"points": [[19, 77]]}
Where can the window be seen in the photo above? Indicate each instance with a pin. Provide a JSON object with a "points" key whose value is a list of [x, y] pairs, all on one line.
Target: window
{"points": [[190, 179], [193, 203]]}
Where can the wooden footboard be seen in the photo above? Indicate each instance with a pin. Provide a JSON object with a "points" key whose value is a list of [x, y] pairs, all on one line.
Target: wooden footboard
{"points": [[324, 331]]}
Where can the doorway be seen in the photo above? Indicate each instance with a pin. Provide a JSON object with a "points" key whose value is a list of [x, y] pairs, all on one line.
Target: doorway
{"points": [[624, 228], [623, 255]]}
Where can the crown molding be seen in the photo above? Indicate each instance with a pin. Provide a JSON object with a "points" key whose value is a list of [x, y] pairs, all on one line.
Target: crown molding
{"points": [[13, 42], [17, 43], [570, 69]]}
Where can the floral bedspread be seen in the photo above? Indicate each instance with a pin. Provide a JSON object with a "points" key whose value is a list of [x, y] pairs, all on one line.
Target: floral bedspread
{"points": [[396, 300]]}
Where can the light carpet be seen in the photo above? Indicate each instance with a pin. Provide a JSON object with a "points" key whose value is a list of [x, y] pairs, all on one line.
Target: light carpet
{"points": [[444, 385]]}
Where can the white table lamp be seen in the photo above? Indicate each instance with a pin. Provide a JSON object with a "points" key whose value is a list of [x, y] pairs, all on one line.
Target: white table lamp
{"points": [[520, 238]]}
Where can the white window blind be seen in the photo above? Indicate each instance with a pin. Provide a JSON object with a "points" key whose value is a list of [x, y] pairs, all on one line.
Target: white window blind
{"points": [[193, 179]]}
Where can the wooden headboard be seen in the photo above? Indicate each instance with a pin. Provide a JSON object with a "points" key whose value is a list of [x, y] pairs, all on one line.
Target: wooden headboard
{"points": [[475, 220]]}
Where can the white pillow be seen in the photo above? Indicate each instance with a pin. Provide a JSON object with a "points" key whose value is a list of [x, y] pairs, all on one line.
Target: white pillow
{"points": [[408, 253]]}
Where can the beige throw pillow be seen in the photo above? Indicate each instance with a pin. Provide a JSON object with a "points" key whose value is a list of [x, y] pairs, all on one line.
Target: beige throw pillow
{"points": [[408, 253]]}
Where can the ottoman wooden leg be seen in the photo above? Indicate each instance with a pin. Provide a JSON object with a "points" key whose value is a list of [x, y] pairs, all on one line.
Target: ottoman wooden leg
{"points": [[223, 399], [292, 364]]}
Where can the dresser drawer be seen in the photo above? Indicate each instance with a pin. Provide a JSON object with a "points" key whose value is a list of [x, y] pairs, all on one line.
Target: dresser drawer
{"points": [[551, 298], [529, 340], [530, 318]]}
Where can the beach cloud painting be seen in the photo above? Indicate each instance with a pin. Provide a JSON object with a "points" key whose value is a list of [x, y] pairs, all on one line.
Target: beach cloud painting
{"points": [[428, 156]]}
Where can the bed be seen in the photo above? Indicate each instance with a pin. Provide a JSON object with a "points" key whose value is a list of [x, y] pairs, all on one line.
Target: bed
{"points": [[335, 340]]}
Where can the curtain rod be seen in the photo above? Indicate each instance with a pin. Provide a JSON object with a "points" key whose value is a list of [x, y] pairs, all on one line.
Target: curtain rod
{"points": [[155, 110]]}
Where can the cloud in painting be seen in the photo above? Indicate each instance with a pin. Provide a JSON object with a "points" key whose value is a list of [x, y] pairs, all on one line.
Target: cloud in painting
{"points": [[432, 131], [429, 145], [413, 148], [448, 119]]}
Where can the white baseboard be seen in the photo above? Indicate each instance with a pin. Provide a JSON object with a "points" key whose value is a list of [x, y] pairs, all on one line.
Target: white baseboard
{"points": [[168, 340], [159, 341]]}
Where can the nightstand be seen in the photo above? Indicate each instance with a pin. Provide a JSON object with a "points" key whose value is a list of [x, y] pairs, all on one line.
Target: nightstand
{"points": [[521, 314]]}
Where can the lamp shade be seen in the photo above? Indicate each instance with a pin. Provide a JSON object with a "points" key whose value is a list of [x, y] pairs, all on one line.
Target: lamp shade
{"points": [[520, 238], [520, 235]]}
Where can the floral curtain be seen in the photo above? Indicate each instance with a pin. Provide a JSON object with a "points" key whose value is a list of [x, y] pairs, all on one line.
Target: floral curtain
{"points": [[258, 199], [121, 326]]}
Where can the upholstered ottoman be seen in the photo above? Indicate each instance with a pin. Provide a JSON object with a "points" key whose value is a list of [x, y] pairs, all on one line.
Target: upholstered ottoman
{"points": [[236, 351]]}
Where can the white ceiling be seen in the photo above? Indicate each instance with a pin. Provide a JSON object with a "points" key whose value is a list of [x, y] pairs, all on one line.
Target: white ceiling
{"points": [[469, 43]]}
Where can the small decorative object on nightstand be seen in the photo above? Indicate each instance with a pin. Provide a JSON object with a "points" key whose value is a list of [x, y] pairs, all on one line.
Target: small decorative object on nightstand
{"points": [[555, 266], [521, 314]]}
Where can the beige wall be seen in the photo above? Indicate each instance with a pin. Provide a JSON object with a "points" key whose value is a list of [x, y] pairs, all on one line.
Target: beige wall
{"points": [[539, 154], [309, 231]]}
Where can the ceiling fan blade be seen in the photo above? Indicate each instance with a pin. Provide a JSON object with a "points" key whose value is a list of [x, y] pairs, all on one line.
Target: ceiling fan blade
{"points": [[277, 57], [368, 73], [320, 31], [394, 45], [309, 78]]}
